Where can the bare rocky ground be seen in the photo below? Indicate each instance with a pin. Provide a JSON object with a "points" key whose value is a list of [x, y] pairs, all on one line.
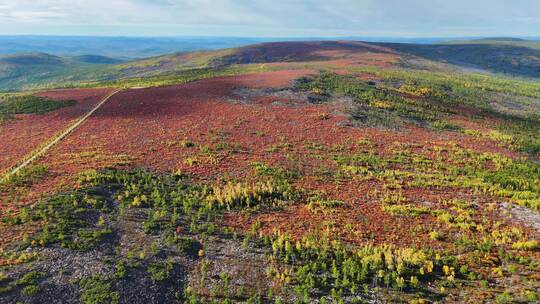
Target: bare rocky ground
{"points": [[62, 270], [134, 265], [525, 215], [359, 115]]}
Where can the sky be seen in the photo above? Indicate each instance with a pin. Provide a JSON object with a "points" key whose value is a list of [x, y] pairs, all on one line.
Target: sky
{"points": [[272, 18]]}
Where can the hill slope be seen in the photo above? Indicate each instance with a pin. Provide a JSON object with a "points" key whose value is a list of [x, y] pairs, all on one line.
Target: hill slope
{"points": [[516, 42], [117, 47], [515, 57], [38, 69], [507, 56], [298, 51]]}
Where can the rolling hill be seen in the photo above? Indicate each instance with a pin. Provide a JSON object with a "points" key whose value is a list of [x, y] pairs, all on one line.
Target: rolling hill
{"points": [[38, 69], [515, 42], [514, 57], [18, 72], [126, 48]]}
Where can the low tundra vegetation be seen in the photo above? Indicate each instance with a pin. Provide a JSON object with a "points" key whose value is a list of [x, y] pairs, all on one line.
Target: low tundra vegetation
{"points": [[450, 90], [375, 105], [30, 104], [324, 266], [430, 99], [181, 220]]}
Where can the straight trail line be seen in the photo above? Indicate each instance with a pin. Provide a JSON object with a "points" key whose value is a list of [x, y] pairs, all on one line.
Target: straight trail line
{"points": [[36, 154]]}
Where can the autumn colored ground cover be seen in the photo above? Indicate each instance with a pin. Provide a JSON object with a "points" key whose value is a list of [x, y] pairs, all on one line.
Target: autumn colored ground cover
{"points": [[301, 51], [26, 132], [133, 127], [345, 209]]}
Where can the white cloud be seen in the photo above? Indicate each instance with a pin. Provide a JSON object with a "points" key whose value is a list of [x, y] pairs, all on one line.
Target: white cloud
{"points": [[134, 12], [33, 16], [361, 17]]}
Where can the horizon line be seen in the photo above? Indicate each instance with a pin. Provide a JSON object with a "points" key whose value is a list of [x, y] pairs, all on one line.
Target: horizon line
{"points": [[267, 37]]}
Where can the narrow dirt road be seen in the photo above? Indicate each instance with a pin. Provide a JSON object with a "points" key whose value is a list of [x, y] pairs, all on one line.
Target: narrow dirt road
{"points": [[40, 152]]}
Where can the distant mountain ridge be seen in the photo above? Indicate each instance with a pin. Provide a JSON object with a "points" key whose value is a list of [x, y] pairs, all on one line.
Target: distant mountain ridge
{"points": [[502, 39], [512, 56], [516, 57], [117, 47], [36, 68], [143, 47], [515, 42], [35, 58], [39, 58], [96, 59]]}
